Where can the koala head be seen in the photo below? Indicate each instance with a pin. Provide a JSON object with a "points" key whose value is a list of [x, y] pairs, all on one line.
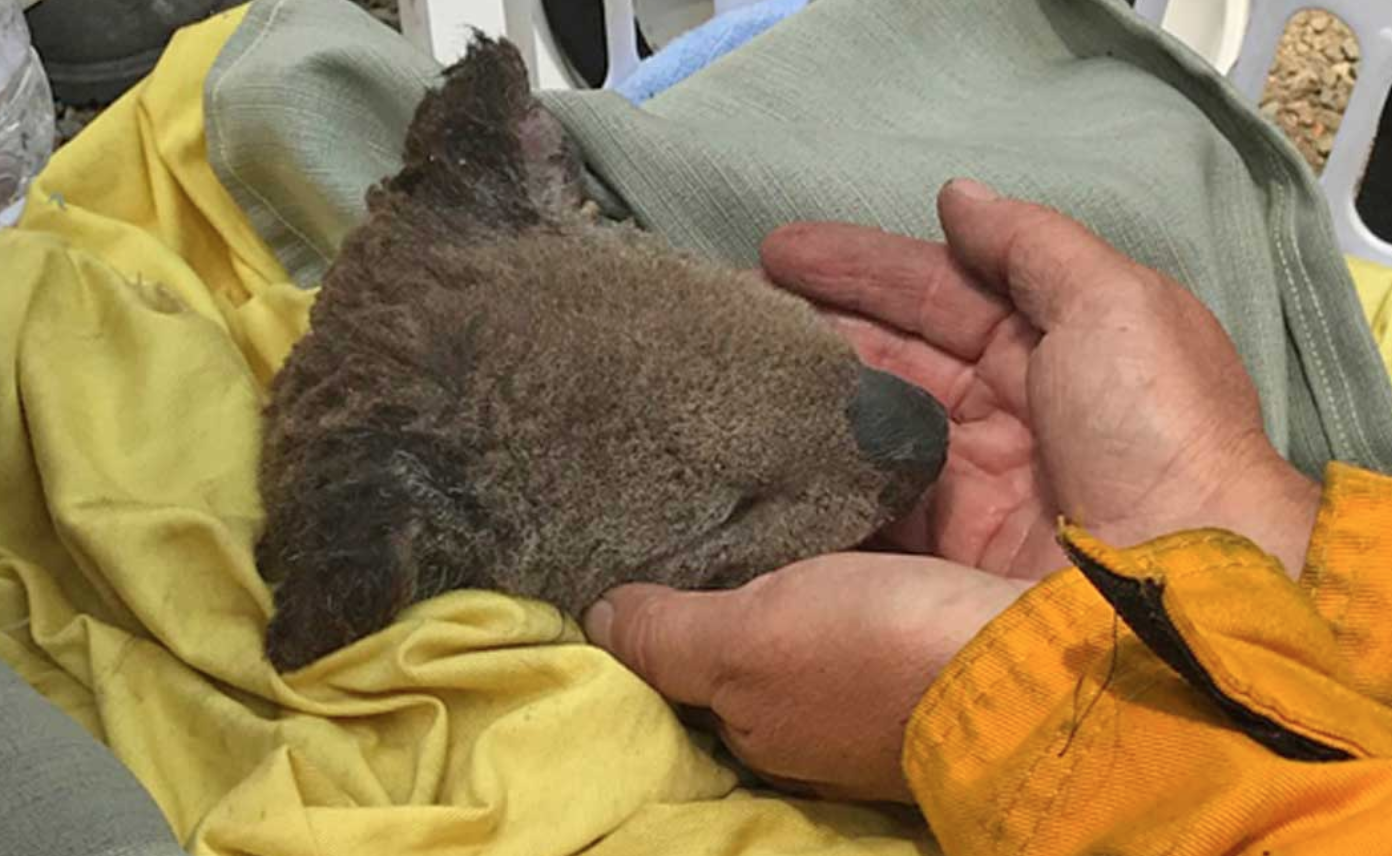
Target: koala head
{"points": [[500, 391]]}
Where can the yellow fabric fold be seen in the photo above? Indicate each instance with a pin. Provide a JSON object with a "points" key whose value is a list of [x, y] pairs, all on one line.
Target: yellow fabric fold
{"points": [[1194, 725], [140, 321], [1374, 284]]}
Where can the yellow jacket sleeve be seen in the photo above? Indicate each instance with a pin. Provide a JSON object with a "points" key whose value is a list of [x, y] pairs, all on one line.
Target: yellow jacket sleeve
{"points": [[1182, 697]]}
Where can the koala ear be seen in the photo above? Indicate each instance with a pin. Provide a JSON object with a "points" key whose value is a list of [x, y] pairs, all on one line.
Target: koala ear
{"points": [[482, 144], [552, 161]]}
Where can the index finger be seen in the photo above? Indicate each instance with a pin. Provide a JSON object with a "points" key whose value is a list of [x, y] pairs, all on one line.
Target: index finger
{"points": [[913, 285]]}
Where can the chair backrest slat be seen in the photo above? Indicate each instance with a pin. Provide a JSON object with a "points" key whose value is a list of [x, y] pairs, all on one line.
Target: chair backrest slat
{"points": [[1371, 23]]}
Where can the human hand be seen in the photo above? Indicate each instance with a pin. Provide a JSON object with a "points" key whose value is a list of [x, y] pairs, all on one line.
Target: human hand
{"points": [[1078, 382], [810, 672]]}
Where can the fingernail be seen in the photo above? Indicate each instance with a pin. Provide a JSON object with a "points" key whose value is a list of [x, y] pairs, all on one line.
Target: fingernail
{"points": [[973, 190], [598, 620]]}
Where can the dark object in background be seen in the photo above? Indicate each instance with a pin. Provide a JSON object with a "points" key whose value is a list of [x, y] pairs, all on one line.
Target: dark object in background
{"points": [[1375, 195], [94, 50], [577, 26]]}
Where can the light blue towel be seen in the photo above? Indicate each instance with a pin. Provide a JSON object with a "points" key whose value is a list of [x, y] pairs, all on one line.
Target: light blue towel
{"points": [[695, 49]]}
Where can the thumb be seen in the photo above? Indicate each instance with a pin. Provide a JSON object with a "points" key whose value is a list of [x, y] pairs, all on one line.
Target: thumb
{"points": [[677, 641], [1050, 265]]}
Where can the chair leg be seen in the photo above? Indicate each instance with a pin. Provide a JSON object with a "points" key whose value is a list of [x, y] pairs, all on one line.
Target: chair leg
{"points": [[621, 40], [441, 28]]}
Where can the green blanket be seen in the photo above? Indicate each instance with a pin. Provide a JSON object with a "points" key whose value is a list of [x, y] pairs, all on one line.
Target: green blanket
{"points": [[858, 110]]}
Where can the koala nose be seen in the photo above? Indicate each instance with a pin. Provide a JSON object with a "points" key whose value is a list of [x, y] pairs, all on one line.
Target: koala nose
{"points": [[897, 425]]}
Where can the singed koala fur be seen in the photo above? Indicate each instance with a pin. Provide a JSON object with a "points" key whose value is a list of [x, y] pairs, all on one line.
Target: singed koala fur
{"points": [[499, 391]]}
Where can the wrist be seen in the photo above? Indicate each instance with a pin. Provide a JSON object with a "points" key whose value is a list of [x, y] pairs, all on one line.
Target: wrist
{"points": [[953, 618], [944, 626], [1275, 506], [1250, 490]]}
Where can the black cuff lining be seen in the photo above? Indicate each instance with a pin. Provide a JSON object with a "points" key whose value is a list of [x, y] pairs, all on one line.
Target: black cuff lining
{"points": [[1139, 603]]}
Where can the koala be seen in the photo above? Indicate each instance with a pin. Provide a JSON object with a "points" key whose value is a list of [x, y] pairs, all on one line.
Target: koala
{"points": [[500, 390]]}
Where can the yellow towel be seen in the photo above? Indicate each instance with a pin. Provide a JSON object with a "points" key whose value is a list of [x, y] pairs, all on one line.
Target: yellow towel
{"points": [[140, 319], [1374, 284]]}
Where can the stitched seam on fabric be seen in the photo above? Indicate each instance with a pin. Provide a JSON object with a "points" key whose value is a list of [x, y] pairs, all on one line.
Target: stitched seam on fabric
{"points": [[1316, 560], [1183, 543], [232, 171], [1314, 295], [955, 723], [1272, 154], [1248, 695], [1285, 212], [1349, 580], [1062, 783], [1147, 563], [967, 663]]}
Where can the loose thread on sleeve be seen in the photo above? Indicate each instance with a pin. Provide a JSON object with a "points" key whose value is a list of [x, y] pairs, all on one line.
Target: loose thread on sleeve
{"points": [[1101, 690]]}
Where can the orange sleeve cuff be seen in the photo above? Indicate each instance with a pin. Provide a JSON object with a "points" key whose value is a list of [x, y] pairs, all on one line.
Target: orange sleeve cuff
{"points": [[1181, 696], [1348, 573]]}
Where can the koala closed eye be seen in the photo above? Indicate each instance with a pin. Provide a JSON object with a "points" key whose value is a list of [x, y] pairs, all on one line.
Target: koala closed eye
{"points": [[741, 509]]}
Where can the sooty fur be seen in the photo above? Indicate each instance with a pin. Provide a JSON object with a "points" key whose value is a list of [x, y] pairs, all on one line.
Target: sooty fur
{"points": [[500, 391]]}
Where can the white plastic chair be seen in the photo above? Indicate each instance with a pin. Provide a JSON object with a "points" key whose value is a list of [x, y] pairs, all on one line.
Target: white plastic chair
{"points": [[440, 27], [1213, 28], [622, 42], [1264, 25]]}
